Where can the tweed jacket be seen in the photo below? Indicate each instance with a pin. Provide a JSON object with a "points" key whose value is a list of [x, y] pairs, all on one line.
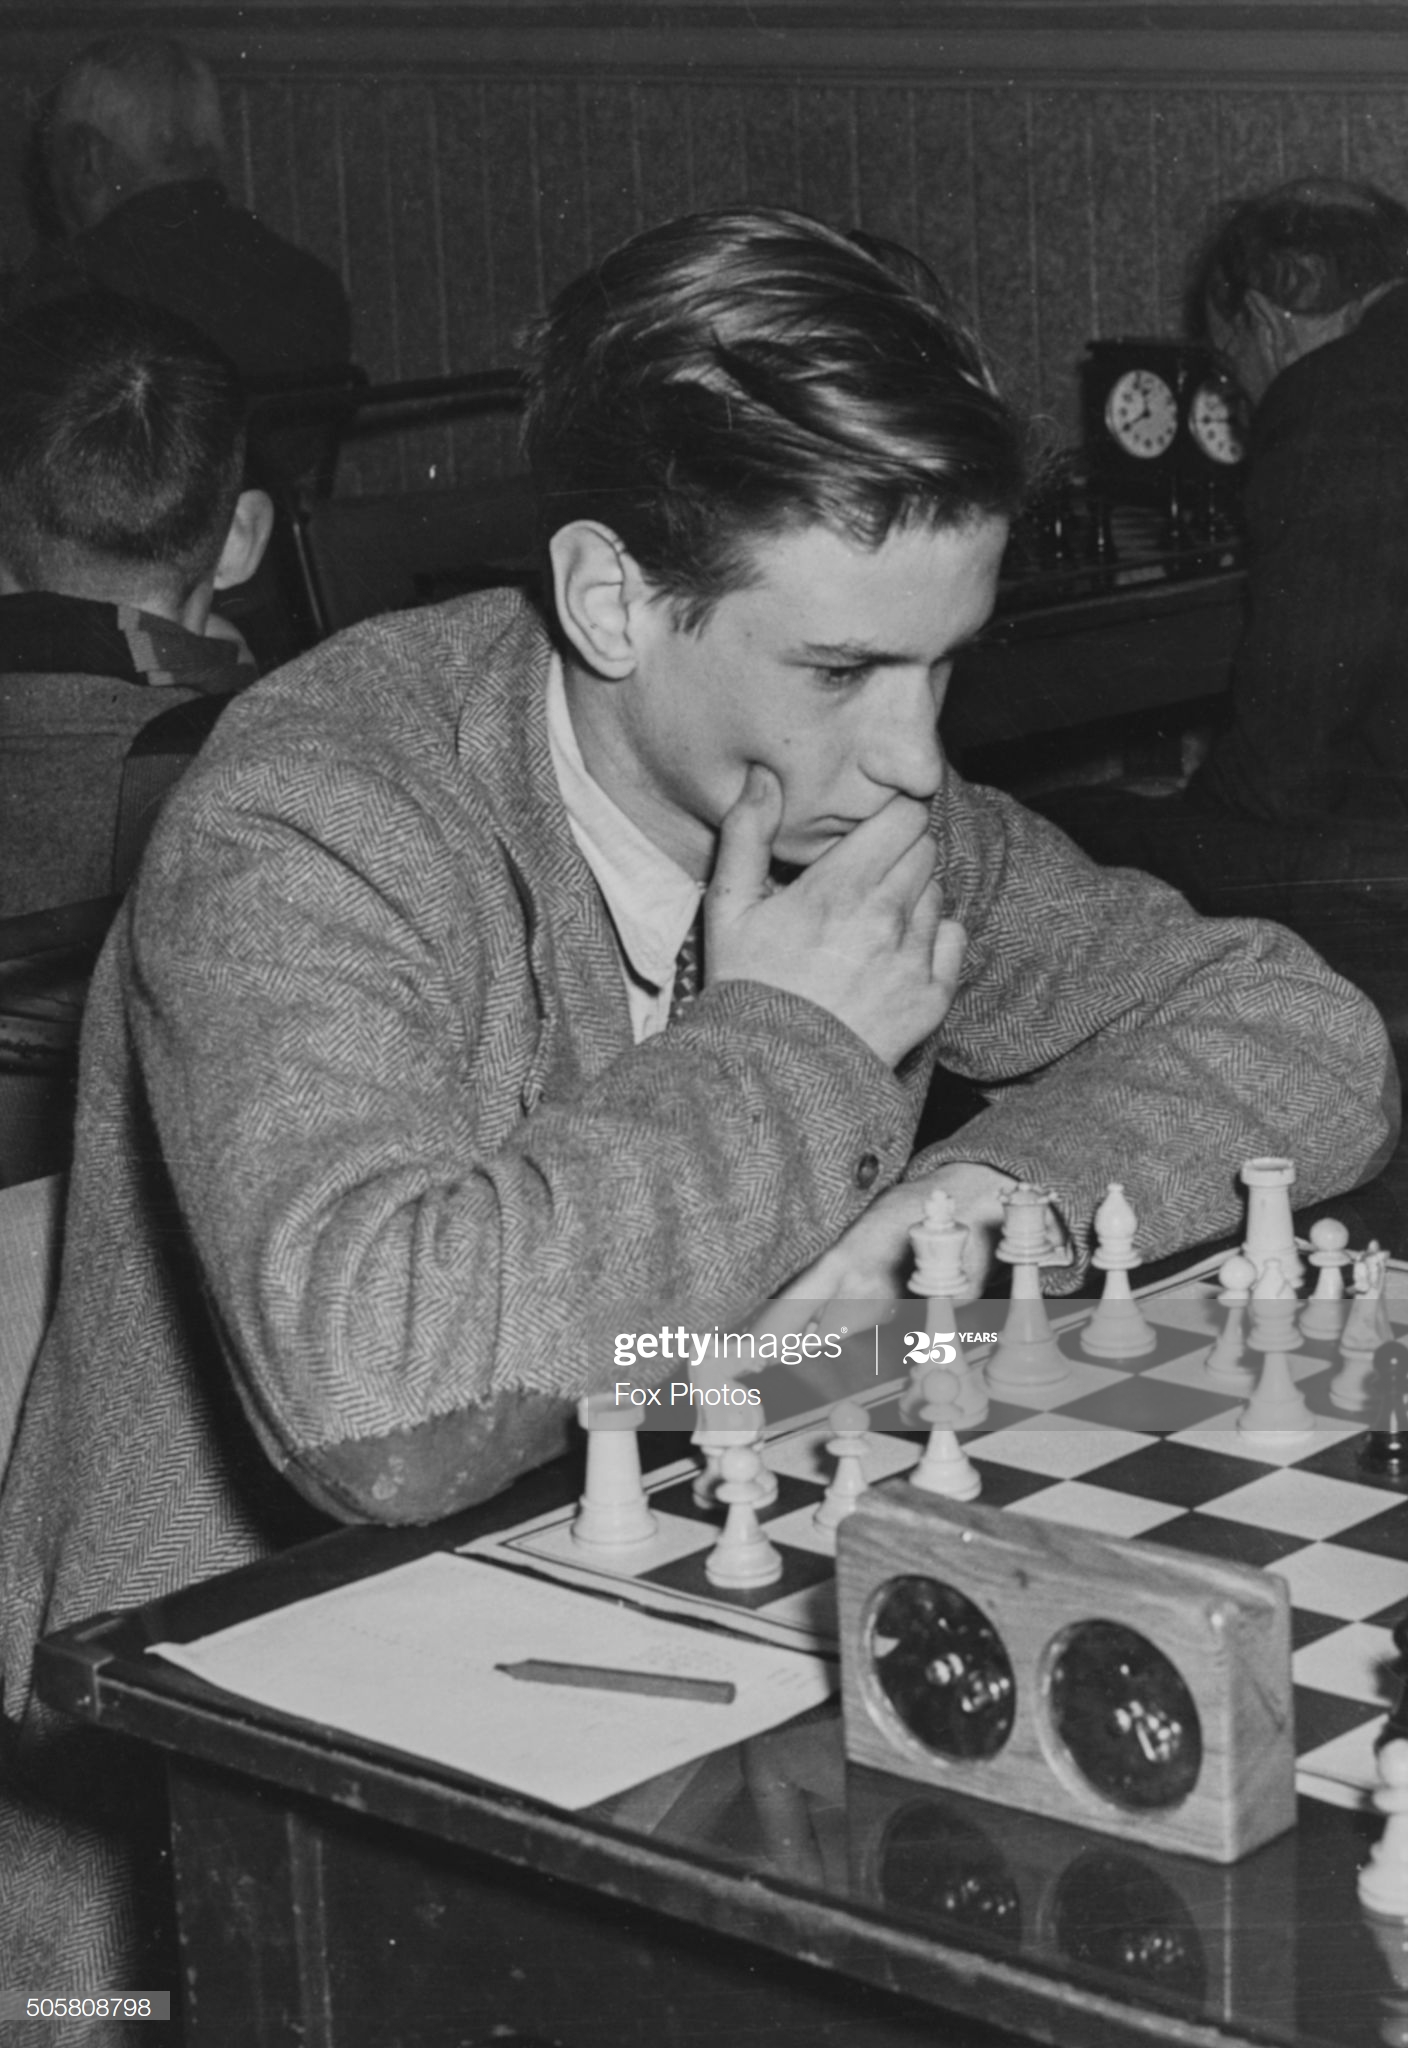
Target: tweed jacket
{"points": [[368, 1166]]}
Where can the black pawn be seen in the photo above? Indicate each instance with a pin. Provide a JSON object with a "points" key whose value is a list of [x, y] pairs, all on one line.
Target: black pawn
{"points": [[1395, 1728], [1386, 1451]]}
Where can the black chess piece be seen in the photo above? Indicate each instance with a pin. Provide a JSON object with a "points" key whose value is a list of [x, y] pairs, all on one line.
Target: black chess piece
{"points": [[1395, 1728], [1386, 1451]]}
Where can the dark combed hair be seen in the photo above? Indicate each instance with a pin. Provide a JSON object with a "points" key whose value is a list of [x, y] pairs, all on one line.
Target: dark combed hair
{"points": [[731, 375], [121, 439], [1311, 246]]}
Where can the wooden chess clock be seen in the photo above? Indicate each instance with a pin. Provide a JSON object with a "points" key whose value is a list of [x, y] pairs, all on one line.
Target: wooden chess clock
{"points": [[1157, 418], [1131, 1688]]}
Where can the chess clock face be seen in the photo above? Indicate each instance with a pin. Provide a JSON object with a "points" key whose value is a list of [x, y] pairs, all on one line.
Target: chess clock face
{"points": [[1156, 416], [1141, 413], [1213, 425]]}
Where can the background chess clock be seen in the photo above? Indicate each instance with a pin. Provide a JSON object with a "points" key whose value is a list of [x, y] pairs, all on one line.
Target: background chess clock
{"points": [[1142, 1693], [1161, 426]]}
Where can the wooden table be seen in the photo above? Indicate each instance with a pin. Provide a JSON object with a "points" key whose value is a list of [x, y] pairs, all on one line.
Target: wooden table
{"points": [[334, 1894]]}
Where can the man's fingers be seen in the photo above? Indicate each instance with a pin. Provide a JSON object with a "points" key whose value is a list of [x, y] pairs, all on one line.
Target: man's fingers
{"points": [[946, 960], [745, 839], [868, 853]]}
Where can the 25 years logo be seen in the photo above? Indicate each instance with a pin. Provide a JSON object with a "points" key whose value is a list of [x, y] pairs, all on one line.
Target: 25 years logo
{"points": [[931, 1347]]}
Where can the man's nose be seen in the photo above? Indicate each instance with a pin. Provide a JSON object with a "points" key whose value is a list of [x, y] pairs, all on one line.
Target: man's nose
{"points": [[903, 751]]}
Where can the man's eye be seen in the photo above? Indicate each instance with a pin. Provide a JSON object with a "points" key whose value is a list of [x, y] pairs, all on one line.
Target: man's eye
{"points": [[846, 678]]}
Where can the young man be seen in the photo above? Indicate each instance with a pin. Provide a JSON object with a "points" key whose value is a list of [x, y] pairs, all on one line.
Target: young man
{"points": [[386, 1125]]}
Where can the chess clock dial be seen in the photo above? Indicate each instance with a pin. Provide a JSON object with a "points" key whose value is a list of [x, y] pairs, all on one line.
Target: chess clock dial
{"points": [[1141, 414], [1213, 425]]}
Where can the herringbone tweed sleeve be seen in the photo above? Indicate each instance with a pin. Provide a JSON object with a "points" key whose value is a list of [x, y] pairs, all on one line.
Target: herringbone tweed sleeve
{"points": [[425, 1173], [1119, 1036]]}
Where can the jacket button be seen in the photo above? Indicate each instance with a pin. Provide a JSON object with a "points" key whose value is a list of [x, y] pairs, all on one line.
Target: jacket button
{"points": [[867, 1170]]}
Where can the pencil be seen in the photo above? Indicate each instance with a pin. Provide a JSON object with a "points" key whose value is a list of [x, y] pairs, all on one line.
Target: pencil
{"points": [[663, 1685]]}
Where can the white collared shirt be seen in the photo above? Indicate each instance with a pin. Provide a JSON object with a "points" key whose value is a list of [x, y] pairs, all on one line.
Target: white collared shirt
{"points": [[651, 900]]}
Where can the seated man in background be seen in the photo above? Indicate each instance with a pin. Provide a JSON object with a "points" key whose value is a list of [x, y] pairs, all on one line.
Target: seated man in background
{"points": [[121, 514], [1300, 811], [135, 162], [396, 1103], [134, 151]]}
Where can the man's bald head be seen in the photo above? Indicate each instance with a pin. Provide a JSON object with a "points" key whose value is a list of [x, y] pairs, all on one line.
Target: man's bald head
{"points": [[129, 113]]}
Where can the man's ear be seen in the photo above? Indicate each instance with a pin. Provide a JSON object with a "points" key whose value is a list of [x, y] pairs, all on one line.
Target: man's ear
{"points": [[250, 528], [599, 591]]}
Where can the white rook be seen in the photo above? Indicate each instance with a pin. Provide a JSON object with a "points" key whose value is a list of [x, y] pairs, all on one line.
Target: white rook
{"points": [[613, 1511], [1270, 1233]]}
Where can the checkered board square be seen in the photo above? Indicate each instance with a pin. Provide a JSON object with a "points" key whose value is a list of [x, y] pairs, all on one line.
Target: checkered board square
{"points": [[1144, 1449]]}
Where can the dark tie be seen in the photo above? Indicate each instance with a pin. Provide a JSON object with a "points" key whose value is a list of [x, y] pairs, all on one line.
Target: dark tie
{"points": [[689, 968]]}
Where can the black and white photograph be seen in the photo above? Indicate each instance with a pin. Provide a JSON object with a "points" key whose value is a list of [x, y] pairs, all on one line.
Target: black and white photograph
{"points": [[703, 990]]}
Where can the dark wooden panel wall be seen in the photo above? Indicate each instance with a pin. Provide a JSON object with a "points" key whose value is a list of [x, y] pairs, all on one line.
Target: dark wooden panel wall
{"points": [[1056, 164]]}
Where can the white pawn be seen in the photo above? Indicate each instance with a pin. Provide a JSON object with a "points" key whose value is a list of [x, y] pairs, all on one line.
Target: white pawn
{"points": [[613, 1513], [850, 1433], [1324, 1313], [743, 1556], [766, 1481], [713, 1440], [1224, 1367], [1277, 1413], [716, 1431], [1118, 1328], [1383, 1882], [945, 1466]]}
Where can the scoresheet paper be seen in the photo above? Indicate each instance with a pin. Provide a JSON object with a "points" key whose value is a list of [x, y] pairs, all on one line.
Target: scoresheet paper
{"points": [[406, 1659]]}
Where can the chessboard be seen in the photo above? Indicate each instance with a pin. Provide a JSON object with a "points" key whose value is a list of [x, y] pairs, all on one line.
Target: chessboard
{"points": [[1140, 1449]]}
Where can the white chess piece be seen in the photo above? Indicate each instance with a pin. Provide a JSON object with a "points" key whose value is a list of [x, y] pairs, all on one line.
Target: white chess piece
{"points": [[1118, 1328], [940, 1242], [614, 1513], [1324, 1313], [1027, 1354], [713, 1440], [766, 1480], [1383, 1882], [717, 1429], [1277, 1413], [1270, 1231], [1366, 1327], [1390, 1938], [850, 1433], [743, 1556], [945, 1467], [1224, 1367]]}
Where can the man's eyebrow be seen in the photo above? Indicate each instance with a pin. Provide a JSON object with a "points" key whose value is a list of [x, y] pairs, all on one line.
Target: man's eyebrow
{"points": [[865, 654], [847, 654]]}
